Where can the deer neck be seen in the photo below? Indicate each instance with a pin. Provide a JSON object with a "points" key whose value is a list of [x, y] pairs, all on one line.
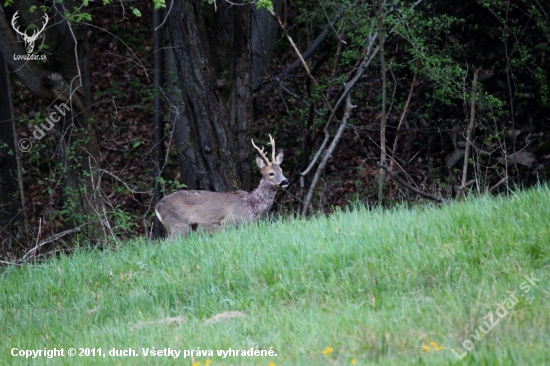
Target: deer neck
{"points": [[261, 199]]}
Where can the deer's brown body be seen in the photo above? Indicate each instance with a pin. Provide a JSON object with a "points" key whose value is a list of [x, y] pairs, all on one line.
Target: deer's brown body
{"points": [[185, 210]]}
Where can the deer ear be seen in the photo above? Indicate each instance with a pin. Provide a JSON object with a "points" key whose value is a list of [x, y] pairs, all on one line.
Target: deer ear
{"points": [[279, 158], [260, 162]]}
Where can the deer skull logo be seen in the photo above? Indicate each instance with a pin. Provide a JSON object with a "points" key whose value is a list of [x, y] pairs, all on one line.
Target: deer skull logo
{"points": [[29, 40]]}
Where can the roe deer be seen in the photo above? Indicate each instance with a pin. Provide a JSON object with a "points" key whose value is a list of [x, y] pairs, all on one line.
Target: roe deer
{"points": [[184, 210]]}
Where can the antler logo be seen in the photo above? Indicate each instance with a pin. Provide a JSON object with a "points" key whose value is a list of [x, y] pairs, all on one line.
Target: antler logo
{"points": [[29, 40]]}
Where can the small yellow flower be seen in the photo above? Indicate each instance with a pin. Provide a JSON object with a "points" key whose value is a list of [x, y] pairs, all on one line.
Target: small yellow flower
{"points": [[272, 364], [426, 348], [353, 361], [433, 344], [328, 350], [437, 348], [196, 364], [207, 362]]}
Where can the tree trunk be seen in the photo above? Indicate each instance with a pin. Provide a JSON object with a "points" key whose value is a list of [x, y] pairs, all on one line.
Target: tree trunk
{"points": [[221, 135], [242, 114], [264, 36], [78, 137], [182, 139], [158, 122], [11, 197], [381, 40]]}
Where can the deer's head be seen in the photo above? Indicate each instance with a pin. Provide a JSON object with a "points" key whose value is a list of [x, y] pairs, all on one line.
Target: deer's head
{"points": [[29, 40], [271, 170]]}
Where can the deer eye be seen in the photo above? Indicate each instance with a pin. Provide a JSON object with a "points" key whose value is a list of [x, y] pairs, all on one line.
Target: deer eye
{"points": [[271, 174]]}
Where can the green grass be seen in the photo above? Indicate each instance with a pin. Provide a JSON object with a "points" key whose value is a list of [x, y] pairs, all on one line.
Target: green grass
{"points": [[374, 286]]}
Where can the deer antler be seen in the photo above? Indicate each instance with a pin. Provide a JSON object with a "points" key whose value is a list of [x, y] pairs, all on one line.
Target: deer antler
{"points": [[262, 153], [272, 143]]}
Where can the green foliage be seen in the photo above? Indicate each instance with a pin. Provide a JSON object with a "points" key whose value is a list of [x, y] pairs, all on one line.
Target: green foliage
{"points": [[375, 287], [523, 56], [122, 221], [265, 4], [136, 12], [426, 33], [129, 39], [159, 4], [363, 25], [71, 209], [169, 185], [260, 4], [423, 33], [77, 16]]}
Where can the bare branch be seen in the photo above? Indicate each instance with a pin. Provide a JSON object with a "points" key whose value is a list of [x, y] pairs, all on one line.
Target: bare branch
{"points": [[403, 115], [49, 240], [347, 89], [307, 53], [383, 114], [363, 65], [330, 150], [469, 135], [304, 63], [407, 185]]}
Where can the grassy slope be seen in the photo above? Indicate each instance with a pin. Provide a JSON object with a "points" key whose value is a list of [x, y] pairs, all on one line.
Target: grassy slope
{"points": [[376, 287]]}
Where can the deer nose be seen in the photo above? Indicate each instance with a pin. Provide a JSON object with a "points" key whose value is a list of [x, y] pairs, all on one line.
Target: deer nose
{"points": [[284, 183]]}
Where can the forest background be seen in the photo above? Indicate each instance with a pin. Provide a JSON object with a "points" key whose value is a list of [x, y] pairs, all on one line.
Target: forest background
{"points": [[377, 102]]}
